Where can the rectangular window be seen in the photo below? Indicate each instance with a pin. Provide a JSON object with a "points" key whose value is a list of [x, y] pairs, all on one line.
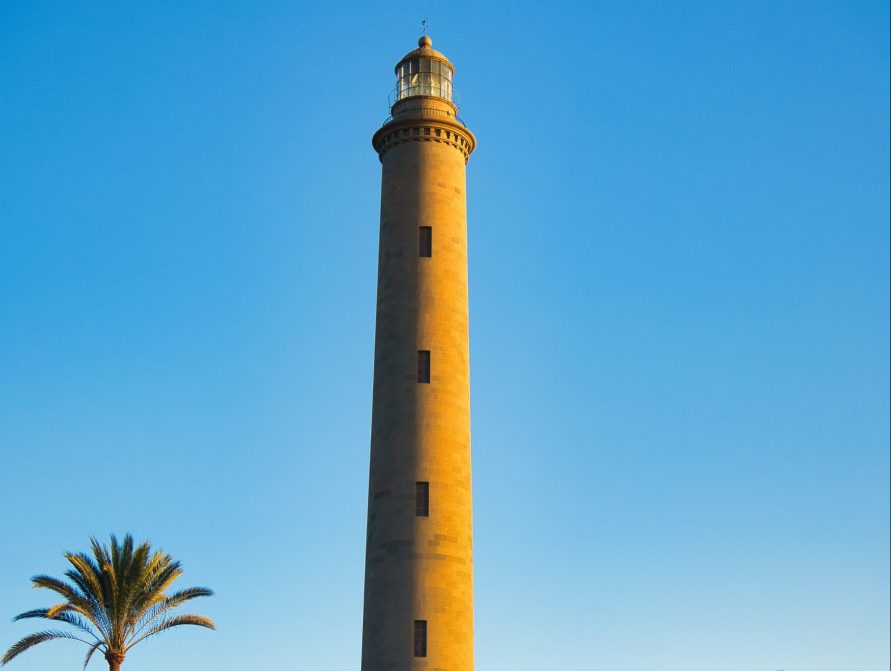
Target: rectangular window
{"points": [[420, 638], [425, 241], [424, 366], [422, 499]]}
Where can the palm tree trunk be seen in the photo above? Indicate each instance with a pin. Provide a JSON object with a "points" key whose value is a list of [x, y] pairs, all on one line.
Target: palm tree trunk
{"points": [[114, 661]]}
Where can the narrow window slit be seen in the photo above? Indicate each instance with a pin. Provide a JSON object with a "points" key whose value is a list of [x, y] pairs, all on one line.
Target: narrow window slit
{"points": [[420, 638], [424, 366], [422, 499], [425, 241]]}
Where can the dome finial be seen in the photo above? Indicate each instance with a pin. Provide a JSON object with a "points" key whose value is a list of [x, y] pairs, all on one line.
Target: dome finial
{"points": [[425, 41]]}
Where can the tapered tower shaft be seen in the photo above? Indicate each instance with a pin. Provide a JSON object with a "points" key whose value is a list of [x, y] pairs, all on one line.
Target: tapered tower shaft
{"points": [[419, 559]]}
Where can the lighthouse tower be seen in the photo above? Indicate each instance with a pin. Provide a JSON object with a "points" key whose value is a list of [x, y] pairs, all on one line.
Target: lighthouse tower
{"points": [[419, 559]]}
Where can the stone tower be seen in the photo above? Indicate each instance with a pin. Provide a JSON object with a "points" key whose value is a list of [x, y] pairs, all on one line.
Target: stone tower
{"points": [[419, 559]]}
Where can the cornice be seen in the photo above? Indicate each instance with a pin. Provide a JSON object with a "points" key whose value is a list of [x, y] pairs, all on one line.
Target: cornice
{"points": [[424, 129]]}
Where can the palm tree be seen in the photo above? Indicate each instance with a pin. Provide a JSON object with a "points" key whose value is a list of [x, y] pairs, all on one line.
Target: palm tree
{"points": [[114, 600]]}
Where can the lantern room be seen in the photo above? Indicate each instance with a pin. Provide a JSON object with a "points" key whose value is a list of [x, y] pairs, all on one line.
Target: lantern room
{"points": [[424, 72]]}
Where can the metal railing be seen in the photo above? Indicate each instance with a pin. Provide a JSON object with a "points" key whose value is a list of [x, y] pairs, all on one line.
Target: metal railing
{"points": [[394, 98], [399, 93], [423, 111]]}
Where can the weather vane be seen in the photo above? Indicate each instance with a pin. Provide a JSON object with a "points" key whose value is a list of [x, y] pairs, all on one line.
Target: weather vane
{"points": [[424, 23]]}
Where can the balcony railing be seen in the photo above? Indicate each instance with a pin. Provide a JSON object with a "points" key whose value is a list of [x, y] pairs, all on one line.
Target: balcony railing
{"points": [[424, 111], [395, 97], [401, 93]]}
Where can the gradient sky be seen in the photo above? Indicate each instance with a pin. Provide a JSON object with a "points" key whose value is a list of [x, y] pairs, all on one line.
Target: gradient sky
{"points": [[678, 229]]}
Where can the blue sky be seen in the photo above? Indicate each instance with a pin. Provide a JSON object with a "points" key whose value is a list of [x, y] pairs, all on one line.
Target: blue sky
{"points": [[678, 229]]}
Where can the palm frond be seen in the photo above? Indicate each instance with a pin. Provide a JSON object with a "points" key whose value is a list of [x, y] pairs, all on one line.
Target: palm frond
{"points": [[150, 616], [89, 574], [166, 573], [37, 612], [78, 599], [175, 621], [159, 568], [76, 621], [155, 600], [111, 590], [36, 639], [93, 648], [138, 575], [58, 586], [58, 614], [88, 604], [183, 595], [91, 608]]}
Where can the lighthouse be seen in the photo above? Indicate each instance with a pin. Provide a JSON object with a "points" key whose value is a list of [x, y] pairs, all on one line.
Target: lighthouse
{"points": [[418, 611]]}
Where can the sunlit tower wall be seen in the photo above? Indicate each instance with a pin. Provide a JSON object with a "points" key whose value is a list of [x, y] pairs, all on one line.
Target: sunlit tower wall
{"points": [[419, 557]]}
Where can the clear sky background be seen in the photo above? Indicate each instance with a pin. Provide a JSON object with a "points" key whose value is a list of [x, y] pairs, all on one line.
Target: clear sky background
{"points": [[678, 229]]}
